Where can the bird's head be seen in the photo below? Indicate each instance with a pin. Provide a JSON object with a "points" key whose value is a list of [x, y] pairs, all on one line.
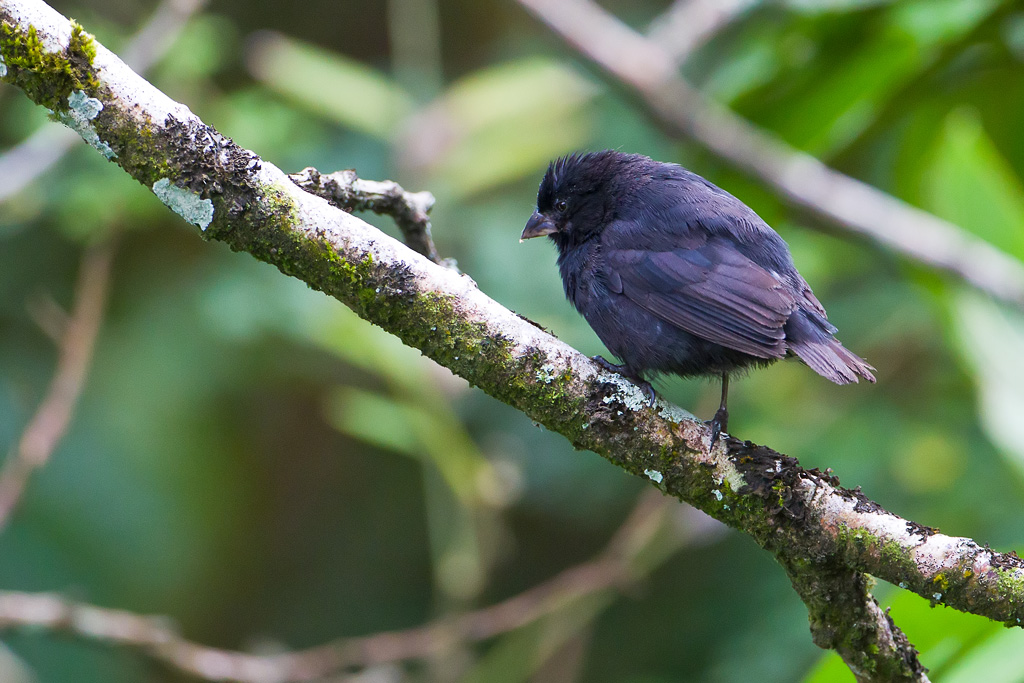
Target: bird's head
{"points": [[578, 196]]}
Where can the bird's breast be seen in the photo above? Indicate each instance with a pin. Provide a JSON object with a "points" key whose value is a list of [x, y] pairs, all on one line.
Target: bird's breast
{"points": [[578, 267]]}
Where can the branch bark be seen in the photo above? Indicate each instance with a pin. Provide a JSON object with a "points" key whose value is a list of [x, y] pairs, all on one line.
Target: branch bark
{"points": [[825, 536], [852, 207]]}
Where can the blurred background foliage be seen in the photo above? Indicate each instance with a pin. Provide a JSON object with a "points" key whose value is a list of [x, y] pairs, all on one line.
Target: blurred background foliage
{"points": [[269, 471]]}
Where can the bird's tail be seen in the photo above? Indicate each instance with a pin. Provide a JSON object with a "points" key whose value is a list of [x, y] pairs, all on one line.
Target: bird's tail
{"points": [[810, 337]]}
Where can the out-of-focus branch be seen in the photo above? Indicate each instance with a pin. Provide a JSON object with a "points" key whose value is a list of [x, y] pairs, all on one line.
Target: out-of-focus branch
{"points": [[50, 421], [37, 153], [158, 35], [687, 24], [849, 205], [33, 156], [615, 567], [349, 192]]}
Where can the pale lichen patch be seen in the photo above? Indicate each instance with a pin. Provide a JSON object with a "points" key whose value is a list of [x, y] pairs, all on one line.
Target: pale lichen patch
{"points": [[547, 373], [84, 106], [674, 413], [81, 110], [3, 67], [627, 393], [655, 476], [732, 476], [185, 203]]}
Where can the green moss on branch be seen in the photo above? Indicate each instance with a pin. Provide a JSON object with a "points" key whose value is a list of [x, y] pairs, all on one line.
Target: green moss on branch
{"points": [[48, 78]]}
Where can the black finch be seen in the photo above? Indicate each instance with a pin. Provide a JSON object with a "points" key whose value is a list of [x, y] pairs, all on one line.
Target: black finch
{"points": [[677, 276]]}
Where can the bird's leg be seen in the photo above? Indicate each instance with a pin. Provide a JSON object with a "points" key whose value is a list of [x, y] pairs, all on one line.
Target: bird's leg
{"points": [[720, 422], [624, 370]]}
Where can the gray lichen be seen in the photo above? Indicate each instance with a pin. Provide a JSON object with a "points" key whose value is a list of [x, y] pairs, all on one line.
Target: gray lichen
{"points": [[628, 393], [547, 373], [185, 203], [81, 110]]}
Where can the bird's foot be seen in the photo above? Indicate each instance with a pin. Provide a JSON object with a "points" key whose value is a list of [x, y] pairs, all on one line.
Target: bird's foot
{"points": [[644, 385], [719, 423]]}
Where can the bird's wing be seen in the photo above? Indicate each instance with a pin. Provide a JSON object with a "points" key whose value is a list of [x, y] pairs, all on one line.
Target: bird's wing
{"points": [[710, 290]]}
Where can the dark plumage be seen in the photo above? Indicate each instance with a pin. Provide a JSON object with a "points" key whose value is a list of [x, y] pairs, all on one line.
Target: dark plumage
{"points": [[678, 276]]}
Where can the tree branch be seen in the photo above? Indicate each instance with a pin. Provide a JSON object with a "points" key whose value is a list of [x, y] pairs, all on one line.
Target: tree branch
{"points": [[687, 24], [798, 515], [849, 205], [51, 420], [846, 618]]}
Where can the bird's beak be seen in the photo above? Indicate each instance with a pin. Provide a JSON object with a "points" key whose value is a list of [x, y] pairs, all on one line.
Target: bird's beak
{"points": [[537, 226]]}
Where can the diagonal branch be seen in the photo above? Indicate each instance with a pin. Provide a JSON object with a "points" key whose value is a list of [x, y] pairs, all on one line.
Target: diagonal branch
{"points": [[799, 516], [687, 24], [851, 206], [51, 420]]}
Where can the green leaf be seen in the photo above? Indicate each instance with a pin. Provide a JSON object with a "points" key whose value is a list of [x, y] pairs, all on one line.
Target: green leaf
{"points": [[990, 337], [842, 94], [500, 124], [342, 89], [971, 184], [940, 21], [999, 658], [941, 635], [412, 429]]}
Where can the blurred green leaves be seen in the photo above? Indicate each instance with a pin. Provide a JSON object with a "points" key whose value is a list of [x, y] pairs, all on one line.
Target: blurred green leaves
{"points": [[499, 124], [839, 94], [416, 430], [344, 90], [991, 338], [971, 184], [492, 127], [957, 647]]}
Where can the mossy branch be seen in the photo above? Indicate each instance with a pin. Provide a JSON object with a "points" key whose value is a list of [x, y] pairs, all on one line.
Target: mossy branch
{"points": [[825, 536]]}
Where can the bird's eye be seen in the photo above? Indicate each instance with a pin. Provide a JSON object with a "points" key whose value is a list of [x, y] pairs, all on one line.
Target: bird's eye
{"points": [[561, 206]]}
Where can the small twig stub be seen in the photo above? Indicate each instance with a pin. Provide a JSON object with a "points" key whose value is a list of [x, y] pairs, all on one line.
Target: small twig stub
{"points": [[347, 191]]}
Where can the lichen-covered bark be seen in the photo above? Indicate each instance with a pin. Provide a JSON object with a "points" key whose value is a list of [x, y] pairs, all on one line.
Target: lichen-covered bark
{"points": [[824, 536], [846, 618]]}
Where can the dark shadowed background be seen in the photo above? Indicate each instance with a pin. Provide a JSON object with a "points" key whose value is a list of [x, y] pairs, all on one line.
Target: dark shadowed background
{"points": [[270, 472]]}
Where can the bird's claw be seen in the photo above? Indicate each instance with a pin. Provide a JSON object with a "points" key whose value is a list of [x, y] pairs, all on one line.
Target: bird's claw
{"points": [[646, 387], [608, 365], [719, 423]]}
